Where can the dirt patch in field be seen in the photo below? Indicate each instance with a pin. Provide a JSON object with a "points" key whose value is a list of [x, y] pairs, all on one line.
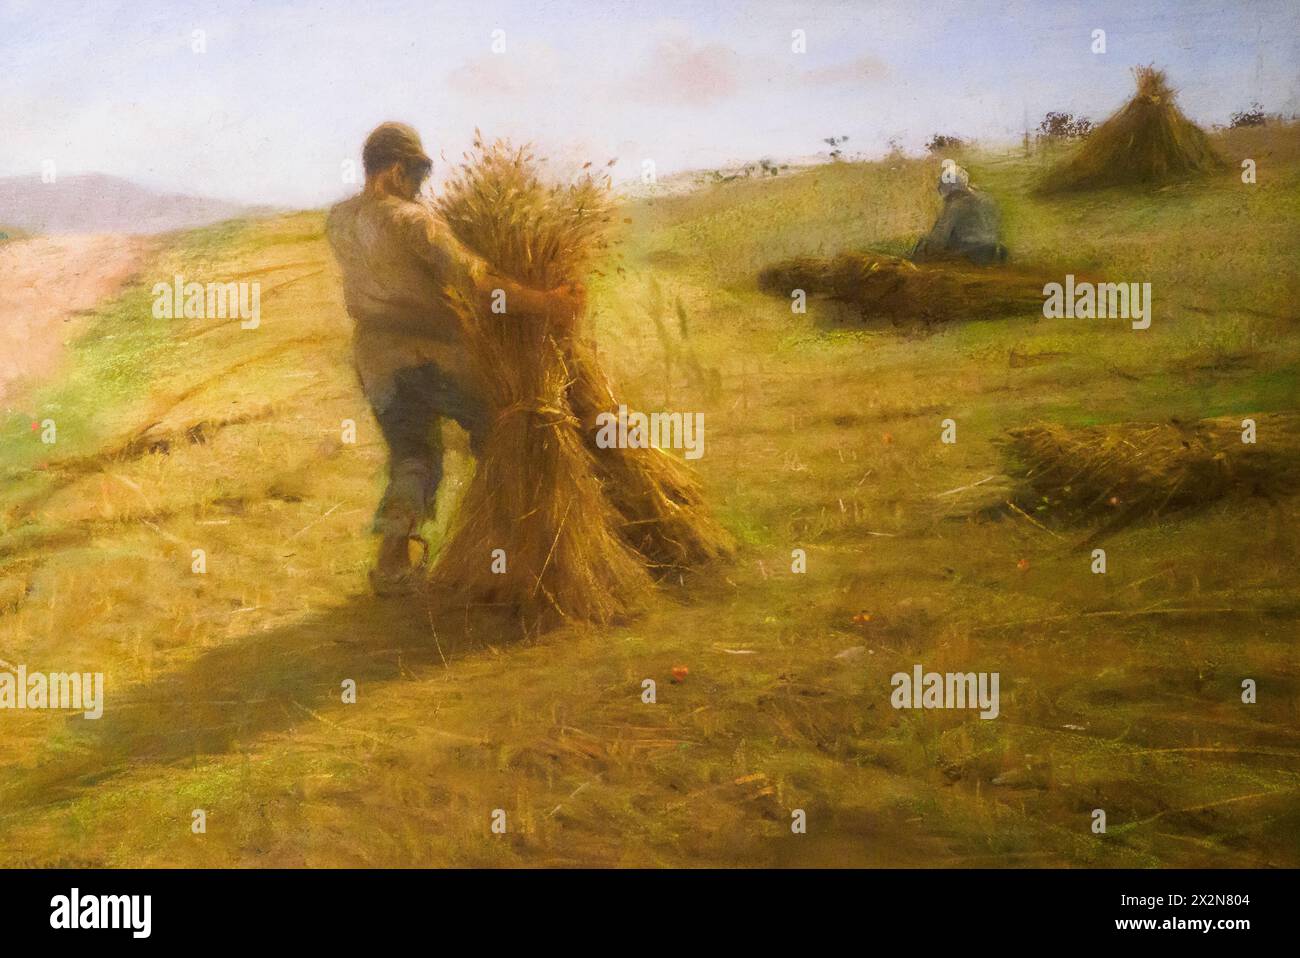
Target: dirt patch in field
{"points": [[49, 281]]}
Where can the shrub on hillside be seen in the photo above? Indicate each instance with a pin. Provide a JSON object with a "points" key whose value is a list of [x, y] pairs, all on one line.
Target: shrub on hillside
{"points": [[836, 143], [942, 142], [1063, 126], [1251, 116]]}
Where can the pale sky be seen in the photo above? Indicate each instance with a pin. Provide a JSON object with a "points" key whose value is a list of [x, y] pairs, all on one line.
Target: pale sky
{"points": [[285, 92]]}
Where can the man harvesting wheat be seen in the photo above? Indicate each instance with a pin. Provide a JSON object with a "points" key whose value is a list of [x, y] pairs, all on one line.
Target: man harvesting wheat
{"points": [[400, 266]]}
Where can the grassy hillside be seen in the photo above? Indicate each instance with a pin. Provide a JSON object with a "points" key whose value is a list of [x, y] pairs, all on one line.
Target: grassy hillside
{"points": [[1119, 692]]}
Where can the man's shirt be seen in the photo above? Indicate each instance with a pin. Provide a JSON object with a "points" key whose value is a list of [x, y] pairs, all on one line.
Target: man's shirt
{"points": [[398, 262]]}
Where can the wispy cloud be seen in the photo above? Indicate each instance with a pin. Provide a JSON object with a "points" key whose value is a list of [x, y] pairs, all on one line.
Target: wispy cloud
{"points": [[680, 70], [868, 69], [527, 70]]}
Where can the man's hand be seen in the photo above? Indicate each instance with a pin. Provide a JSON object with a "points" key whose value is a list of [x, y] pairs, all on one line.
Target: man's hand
{"points": [[562, 305], [571, 299]]}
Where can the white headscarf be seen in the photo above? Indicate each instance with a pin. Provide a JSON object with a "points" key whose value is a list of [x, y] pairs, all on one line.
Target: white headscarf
{"points": [[953, 179]]}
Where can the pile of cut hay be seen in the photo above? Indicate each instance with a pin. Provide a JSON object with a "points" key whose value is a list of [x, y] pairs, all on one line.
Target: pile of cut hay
{"points": [[581, 528], [1148, 141], [659, 499], [889, 287], [1134, 470]]}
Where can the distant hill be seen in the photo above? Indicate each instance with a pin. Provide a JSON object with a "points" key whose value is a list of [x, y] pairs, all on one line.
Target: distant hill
{"points": [[95, 203]]}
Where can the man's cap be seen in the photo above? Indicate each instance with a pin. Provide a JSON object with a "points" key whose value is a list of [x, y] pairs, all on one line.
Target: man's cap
{"points": [[391, 143]]}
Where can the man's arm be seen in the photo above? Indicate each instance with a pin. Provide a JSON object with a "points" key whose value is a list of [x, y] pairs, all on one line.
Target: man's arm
{"points": [[434, 244], [563, 302], [455, 264]]}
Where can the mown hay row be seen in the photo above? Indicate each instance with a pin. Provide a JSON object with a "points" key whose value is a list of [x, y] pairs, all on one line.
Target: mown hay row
{"points": [[1135, 470], [889, 287]]}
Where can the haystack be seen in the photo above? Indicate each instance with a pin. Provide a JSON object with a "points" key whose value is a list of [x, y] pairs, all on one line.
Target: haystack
{"points": [[1148, 141], [889, 287], [1127, 471], [659, 499], [559, 514]]}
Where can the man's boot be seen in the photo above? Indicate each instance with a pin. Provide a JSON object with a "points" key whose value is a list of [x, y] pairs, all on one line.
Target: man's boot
{"points": [[398, 520], [394, 573]]}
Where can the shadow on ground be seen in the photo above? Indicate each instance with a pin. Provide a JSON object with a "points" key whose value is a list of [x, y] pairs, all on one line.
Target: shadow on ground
{"points": [[265, 683]]}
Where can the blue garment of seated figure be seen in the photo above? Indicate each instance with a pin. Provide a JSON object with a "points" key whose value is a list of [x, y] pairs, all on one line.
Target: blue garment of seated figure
{"points": [[968, 226]]}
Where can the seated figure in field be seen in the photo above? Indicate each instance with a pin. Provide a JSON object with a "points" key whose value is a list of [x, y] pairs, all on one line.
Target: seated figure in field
{"points": [[967, 227]]}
